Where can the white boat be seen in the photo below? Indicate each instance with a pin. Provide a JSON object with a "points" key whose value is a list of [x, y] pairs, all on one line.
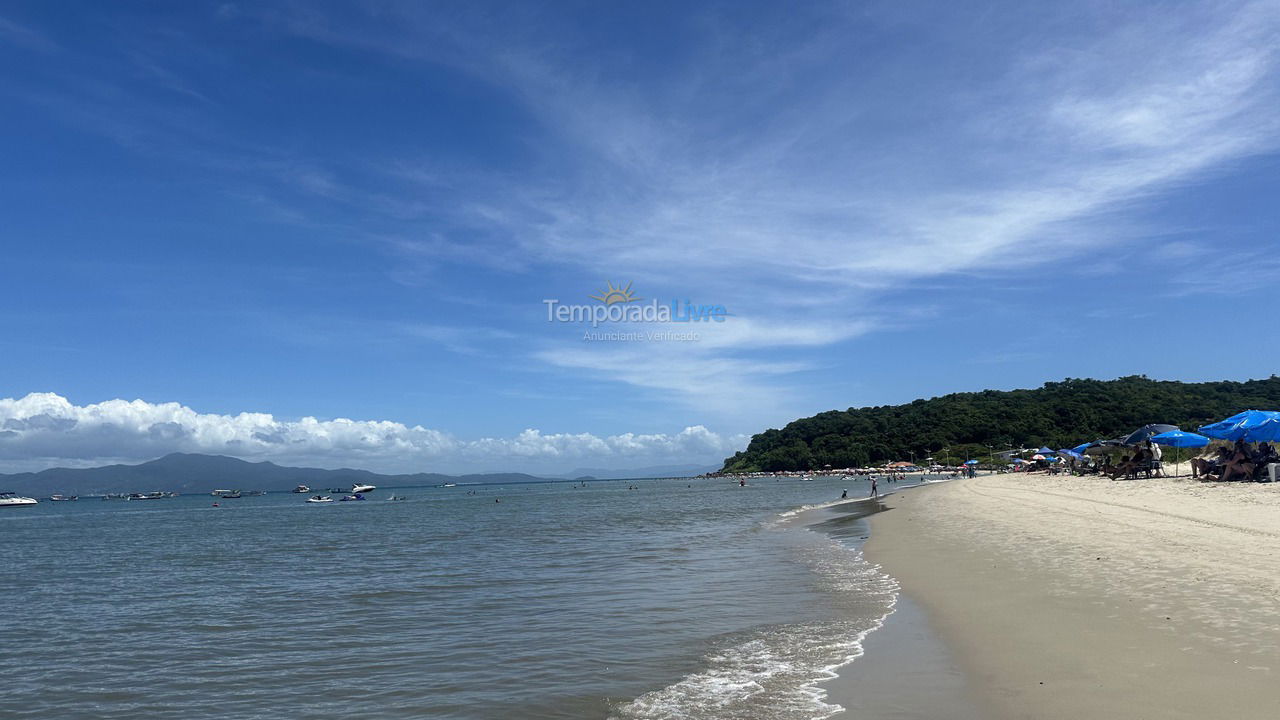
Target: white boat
{"points": [[148, 496], [229, 494], [57, 497], [319, 499], [8, 499], [302, 489], [357, 489]]}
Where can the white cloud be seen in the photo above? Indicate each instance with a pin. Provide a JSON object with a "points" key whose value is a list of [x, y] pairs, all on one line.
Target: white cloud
{"points": [[45, 429], [796, 168]]}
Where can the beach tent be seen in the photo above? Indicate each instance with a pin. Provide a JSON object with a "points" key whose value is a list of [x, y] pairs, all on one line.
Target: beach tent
{"points": [[1238, 425], [1179, 439], [1045, 451], [1145, 432]]}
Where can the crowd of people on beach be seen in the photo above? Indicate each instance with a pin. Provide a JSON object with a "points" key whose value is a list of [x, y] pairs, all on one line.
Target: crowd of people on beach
{"points": [[1236, 462]]}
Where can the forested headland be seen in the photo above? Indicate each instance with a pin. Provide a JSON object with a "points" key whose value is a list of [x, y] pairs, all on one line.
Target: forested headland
{"points": [[960, 426]]}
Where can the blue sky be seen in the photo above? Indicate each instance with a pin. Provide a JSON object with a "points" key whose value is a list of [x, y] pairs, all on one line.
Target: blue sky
{"points": [[230, 226]]}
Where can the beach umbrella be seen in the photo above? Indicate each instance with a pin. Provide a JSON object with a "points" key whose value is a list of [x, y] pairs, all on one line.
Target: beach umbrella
{"points": [[1037, 456], [1179, 439], [1236, 426], [1084, 446], [970, 462], [1267, 431], [1145, 432]]}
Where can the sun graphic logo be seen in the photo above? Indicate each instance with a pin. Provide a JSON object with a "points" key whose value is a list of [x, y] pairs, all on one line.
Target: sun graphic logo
{"points": [[612, 295]]}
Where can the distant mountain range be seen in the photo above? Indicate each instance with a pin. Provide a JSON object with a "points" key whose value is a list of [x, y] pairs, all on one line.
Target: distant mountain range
{"points": [[195, 473], [191, 473]]}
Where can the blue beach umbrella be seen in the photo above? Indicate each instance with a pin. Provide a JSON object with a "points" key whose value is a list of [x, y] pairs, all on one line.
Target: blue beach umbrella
{"points": [[1236, 426], [1267, 431], [1179, 439], [970, 462], [1084, 446]]}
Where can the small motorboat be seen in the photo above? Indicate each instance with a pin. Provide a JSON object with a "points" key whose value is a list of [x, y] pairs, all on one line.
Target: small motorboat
{"points": [[8, 499], [357, 489], [302, 489], [349, 498], [319, 499], [227, 494], [148, 496], [57, 497]]}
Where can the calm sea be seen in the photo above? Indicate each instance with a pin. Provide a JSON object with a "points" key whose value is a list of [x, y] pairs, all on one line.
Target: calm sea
{"points": [[680, 599]]}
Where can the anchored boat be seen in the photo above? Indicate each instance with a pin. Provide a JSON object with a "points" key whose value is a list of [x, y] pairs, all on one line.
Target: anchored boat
{"points": [[8, 499]]}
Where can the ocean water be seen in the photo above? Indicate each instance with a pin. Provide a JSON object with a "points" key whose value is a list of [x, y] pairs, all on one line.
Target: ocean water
{"points": [[680, 599]]}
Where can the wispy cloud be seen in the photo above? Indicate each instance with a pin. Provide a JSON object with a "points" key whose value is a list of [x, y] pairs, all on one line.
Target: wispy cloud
{"points": [[25, 36], [789, 163], [764, 172]]}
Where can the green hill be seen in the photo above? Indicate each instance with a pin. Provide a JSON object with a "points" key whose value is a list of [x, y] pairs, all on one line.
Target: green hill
{"points": [[973, 425]]}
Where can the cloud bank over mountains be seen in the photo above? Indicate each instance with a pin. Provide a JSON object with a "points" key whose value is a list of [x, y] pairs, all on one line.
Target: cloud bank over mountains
{"points": [[45, 429]]}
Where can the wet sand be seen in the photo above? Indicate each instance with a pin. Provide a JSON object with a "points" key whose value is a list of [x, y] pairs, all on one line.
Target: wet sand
{"points": [[906, 673], [1087, 598]]}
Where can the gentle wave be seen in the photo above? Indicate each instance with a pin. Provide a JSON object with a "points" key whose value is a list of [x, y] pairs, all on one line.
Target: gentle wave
{"points": [[775, 674]]}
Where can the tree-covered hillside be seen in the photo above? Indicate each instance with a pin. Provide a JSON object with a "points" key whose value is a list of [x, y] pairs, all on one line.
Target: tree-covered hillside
{"points": [[974, 425]]}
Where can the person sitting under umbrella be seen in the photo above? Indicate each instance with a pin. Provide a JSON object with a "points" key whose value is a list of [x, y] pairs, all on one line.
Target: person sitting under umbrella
{"points": [[1239, 461], [1128, 466], [1208, 468], [1262, 457]]}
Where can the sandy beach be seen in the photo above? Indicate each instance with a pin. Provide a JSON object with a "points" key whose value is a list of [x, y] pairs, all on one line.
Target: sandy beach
{"points": [[1087, 598]]}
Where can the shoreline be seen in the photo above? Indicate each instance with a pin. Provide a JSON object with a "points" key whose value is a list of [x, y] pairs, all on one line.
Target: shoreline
{"points": [[1078, 598]]}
